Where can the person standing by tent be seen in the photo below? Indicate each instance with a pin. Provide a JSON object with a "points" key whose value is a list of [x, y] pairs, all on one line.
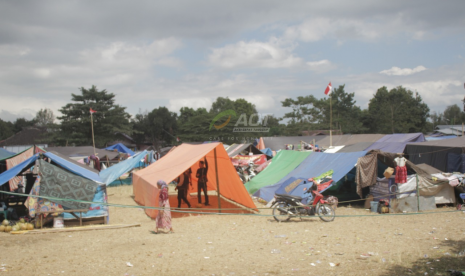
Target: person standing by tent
{"points": [[164, 214], [183, 186], [202, 181]]}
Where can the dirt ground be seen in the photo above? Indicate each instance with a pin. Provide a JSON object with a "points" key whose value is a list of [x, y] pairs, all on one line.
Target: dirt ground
{"points": [[426, 244]]}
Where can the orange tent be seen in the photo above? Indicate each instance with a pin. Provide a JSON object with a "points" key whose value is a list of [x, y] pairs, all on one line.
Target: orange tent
{"points": [[261, 144], [179, 160]]}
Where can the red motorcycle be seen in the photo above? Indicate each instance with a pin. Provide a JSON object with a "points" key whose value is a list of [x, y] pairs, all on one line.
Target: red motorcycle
{"points": [[287, 207]]}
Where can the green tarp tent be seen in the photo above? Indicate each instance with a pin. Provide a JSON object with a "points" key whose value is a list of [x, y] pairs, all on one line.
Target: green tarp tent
{"points": [[283, 163]]}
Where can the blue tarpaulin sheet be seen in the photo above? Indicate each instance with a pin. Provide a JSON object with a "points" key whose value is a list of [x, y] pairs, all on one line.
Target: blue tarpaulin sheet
{"points": [[120, 148], [313, 166], [267, 151], [65, 164], [433, 138], [9, 174], [395, 143], [112, 173]]}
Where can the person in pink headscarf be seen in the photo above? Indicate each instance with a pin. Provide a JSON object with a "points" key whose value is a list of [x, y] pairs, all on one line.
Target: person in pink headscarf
{"points": [[164, 214]]}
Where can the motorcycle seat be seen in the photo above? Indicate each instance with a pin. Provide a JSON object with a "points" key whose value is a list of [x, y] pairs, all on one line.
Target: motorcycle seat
{"points": [[290, 196]]}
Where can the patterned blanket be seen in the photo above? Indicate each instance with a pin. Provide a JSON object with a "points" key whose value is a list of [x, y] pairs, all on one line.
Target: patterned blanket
{"points": [[56, 182]]}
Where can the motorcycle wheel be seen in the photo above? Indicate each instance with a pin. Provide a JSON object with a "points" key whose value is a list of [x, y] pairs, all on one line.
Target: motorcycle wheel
{"points": [[325, 212], [280, 215]]}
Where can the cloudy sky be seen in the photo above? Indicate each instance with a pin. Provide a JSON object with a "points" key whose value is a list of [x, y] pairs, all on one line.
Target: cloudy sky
{"points": [[188, 53]]}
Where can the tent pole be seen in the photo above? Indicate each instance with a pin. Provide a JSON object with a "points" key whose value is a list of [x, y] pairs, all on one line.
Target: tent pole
{"points": [[418, 194], [92, 124], [217, 181], [330, 122]]}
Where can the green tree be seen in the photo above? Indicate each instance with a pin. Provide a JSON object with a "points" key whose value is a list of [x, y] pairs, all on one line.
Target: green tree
{"points": [[21, 123], [44, 117], [6, 129], [194, 124], [246, 116], [158, 127], [398, 110], [453, 115], [346, 116], [276, 128], [309, 113], [108, 119]]}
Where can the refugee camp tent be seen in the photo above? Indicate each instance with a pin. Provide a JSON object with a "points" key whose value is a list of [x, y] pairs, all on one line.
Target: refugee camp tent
{"points": [[95, 209], [435, 138], [267, 151], [396, 142], [349, 139], [313, 166], [120, 148], [14, 160], [279, 143], [5, 154], [84, 151], [426, 184], [446, 194], [236, 149], [186, 156], [356, 147], [112, 173], [445, 155], [284, 162]]}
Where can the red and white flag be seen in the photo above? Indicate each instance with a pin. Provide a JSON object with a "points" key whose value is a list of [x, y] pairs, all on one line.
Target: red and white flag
{"points": [[177, 139], [328, 89], [92, 111]]}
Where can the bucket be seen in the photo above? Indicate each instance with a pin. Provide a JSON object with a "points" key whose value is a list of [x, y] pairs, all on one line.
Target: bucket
{"points": [[58, 222], [374, 206]]}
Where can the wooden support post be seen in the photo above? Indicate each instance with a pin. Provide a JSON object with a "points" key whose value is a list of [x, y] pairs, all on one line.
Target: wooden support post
{"points": [[217, 181], [418, 194]]}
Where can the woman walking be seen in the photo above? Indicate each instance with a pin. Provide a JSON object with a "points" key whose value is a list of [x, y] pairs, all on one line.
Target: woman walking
{"points": [[164, 214]]}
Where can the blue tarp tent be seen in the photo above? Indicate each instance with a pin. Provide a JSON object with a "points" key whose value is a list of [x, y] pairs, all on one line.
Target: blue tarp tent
{"points": [[4, 154], [9, 174], [67, 165], [95, 210], [267, 151], [313, 166], [120, 148], [437, 138], [395, 143], [112, 173]]}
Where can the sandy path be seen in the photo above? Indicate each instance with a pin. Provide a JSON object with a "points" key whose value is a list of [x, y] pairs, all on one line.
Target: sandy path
{"points": [[243, 245]]}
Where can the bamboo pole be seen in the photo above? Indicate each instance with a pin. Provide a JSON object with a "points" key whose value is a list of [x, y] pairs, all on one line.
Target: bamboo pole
{"points": [[217, 181], [418, 194], [92, 124], [330, 121]]}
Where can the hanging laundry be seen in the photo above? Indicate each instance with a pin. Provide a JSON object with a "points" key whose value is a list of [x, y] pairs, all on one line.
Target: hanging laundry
{"points": [[401, 170]]}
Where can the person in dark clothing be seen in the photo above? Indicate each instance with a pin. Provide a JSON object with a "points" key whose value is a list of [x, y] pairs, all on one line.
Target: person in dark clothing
{"points": [[183, 186], [202, 181]]}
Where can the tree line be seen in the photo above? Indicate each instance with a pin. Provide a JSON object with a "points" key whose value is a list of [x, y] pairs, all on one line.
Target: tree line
{"points": [[398, 110]]}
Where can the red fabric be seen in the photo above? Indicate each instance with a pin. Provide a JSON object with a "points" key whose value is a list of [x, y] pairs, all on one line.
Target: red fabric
{"points": [[92, 111], [328, 89], [401, 175]]}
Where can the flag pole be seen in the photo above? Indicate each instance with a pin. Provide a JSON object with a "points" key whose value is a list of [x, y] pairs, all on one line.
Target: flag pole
{"points": [[92, 124], [330, 122]]}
